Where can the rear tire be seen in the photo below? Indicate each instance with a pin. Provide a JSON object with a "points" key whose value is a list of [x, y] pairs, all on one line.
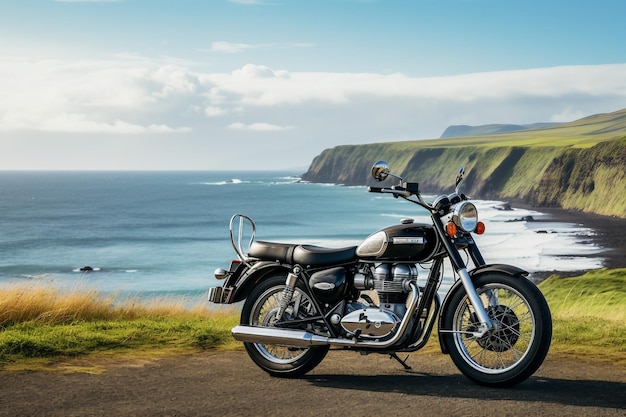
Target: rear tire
{"points": [[516, 348], [260, 310]]}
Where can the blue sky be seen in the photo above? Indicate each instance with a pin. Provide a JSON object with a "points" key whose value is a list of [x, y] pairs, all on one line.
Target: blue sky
{"points": [[219, 84]]}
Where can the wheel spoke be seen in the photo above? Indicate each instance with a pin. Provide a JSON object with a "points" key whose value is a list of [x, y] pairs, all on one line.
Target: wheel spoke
{"points": [[504, 346], [264, 314]]}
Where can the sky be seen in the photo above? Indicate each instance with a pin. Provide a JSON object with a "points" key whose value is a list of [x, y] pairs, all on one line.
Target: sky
{"points": [[270, 84]]}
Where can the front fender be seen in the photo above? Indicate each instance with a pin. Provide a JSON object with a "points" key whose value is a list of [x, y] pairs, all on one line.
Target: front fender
{"points": [[243, 283], [504, 268], [475, 273]]}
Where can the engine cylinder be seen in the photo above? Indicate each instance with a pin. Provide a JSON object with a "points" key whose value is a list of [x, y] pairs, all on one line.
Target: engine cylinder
{"points": [[390, 281]]}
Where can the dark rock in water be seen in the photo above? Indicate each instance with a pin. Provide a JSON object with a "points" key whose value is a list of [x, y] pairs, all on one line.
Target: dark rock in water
{"points": [[86, 268], [504, 207], [523, 219]]}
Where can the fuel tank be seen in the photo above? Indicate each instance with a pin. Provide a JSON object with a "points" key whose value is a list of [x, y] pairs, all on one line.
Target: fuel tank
{"points": [[413, 242]]}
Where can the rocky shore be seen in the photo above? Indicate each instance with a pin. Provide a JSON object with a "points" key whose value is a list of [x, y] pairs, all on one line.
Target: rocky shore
{"points": [[609, 234]]}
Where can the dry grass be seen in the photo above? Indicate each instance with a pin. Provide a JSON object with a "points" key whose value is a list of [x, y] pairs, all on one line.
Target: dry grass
{"points": [[41, 322], [45, 303]]}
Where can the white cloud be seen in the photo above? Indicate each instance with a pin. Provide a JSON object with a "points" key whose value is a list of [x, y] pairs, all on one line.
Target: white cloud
{"points": [[251, 71], [214, 111], [260, 85], [101, 101], [174, 80], [235, 47], [130, 91], [117, 96], [259, 127]]}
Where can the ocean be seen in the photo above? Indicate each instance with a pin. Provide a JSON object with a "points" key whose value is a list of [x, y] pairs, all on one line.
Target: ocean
{"points": [[164, 233]]}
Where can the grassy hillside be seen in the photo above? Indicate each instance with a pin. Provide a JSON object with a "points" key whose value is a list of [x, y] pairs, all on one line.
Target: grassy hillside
{"points": [[578, 165]]}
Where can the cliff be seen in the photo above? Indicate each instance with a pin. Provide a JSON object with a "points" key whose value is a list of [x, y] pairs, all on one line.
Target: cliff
{"points": [[579, 165]]}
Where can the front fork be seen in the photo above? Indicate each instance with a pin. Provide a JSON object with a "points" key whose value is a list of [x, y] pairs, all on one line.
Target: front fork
{"points": [[461, 269], [485, 322]]}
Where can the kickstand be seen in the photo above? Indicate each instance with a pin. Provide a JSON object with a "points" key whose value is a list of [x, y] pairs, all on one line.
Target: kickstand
{"points": [[402, 362]]}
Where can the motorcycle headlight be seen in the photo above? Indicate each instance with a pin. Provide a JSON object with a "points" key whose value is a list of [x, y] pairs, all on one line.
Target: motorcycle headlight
{"points": [[466, 216]]}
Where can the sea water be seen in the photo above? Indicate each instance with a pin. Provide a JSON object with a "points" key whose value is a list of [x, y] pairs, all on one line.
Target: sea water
{"points": [[155, 233]]}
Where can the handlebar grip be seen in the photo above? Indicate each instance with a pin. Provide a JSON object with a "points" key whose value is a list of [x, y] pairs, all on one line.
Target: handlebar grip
{"points": [[374, 190]]}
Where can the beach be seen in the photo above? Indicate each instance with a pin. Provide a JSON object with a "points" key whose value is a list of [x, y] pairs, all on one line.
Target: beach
{"points": [[609, 234]]}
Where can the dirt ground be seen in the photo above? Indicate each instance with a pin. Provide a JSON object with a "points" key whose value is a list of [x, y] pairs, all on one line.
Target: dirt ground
{"points": [[345, 384]]}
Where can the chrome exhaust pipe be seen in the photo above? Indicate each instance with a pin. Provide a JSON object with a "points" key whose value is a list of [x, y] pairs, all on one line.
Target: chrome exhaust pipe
{"points": [[276, 336], [287, 337]]}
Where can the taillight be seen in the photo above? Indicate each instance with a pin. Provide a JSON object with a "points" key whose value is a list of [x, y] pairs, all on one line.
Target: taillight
{"points": [[234, 264], [221, 273]]}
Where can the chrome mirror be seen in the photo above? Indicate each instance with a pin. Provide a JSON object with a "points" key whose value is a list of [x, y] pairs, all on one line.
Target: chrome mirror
{"points": [[380, 171]]}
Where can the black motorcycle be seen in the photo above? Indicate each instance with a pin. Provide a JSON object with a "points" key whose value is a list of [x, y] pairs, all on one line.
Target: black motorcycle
{"points": [[299, 300]]}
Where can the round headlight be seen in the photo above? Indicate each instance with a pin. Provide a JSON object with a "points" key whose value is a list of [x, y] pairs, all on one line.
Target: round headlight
{"points": [[466, 216]]}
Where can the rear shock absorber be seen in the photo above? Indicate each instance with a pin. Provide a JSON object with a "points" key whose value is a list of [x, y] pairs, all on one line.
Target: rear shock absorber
{"points": [[290, 286]]}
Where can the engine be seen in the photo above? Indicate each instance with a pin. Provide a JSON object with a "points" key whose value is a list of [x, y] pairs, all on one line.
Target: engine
{"points": [[391, 284]]}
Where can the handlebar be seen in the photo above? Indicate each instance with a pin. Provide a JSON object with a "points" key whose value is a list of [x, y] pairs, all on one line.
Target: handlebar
{"points": [[392, 190], [375, 189], [405, 191]]}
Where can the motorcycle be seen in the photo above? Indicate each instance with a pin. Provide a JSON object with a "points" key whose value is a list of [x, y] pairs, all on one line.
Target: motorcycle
{"points": [[299, 299]]}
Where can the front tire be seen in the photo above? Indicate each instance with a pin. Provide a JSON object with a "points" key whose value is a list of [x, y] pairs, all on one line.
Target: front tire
{"points": [[260, 309], [515, 349]]}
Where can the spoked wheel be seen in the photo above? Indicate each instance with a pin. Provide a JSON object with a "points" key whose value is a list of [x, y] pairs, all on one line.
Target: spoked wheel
{"points": [[260, 309], [518, 344]]}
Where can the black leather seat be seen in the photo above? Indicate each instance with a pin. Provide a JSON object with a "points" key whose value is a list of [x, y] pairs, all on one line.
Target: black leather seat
{"points": [[305, 255]]}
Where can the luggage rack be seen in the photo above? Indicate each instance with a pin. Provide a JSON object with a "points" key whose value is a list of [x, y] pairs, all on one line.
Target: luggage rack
{"points": [[241, 221]]}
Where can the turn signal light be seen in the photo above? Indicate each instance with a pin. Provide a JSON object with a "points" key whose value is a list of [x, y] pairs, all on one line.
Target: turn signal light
{"points": [[480, 228], [451, 229]]}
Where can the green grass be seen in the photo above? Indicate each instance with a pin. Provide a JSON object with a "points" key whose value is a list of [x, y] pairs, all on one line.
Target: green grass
{"points": [[42, 325], [589, 315]]}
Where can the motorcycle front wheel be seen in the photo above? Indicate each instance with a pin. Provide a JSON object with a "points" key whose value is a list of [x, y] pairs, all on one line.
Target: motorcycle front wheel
{"points": [[518, 344], [260, 309]]}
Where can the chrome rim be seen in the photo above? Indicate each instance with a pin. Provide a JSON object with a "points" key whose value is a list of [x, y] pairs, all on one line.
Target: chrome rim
{"points": [[503, 347], [264, 314]]}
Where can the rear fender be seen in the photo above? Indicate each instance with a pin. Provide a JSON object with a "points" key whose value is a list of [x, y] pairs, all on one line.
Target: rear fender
{"points": [[243, 282], [475, 273]]}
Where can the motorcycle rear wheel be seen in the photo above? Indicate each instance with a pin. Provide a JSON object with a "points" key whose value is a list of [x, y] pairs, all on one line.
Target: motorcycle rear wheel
{"points": [[260, 309], [515, 349]]}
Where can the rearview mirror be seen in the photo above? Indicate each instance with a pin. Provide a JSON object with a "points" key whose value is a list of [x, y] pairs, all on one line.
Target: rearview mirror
{"points": [[380, 171]]}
